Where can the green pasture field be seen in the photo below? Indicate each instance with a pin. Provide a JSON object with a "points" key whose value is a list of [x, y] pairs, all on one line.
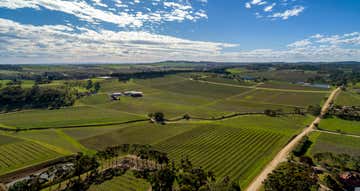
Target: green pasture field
{"points": [[237, 70], [211, 91], [286, 85], [280, 75], [54, 137], [340, 125], [88, 132], [229, 81], [140, 133], [294, 99], [348, 98], [324, 142], [173, 95], [126, 182], [17, 154], [72, 116]]}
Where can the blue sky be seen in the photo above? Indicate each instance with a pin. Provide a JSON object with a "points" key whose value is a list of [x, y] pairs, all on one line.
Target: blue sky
{"points": [[126, 31]]}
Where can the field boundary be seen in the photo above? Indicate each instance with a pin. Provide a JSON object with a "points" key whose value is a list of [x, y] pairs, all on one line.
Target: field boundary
{"points": [[336, 133], [74, 126]]}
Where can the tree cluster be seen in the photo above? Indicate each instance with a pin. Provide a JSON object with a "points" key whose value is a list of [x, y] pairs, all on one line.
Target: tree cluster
{"points": [[343, 170], [141, 151], [314, 110], [80, 164], [291, 176], [345, 112], [338, 161], [302, 147], [16, 97], [157, 117], [186, 177], [93, 87], [124, 77]]}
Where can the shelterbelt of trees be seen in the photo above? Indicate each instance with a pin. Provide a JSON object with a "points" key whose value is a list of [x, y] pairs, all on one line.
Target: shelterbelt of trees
{"points": [[16, 97]]}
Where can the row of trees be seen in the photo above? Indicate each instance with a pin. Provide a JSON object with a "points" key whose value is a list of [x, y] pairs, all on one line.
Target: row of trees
{"points": [[345, 112], [302, 147], [16, 97], [186, 177]]}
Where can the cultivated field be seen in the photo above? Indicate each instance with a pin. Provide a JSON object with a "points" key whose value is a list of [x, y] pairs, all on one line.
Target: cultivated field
{"points": [[324, 142], [245, 142], [16, 153], [238, 147]]}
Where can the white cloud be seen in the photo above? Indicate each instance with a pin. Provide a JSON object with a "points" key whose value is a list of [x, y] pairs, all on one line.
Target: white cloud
{"points": [[300, 43], [168, 11], [275, 9], [258, 2], [61, 43], [289, 13], [22, 43], [346, 39], [99, 3], [269, 8]]}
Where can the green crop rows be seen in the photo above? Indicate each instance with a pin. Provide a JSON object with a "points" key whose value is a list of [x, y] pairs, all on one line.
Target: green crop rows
{"points": [[227, 151], [23, 153]]}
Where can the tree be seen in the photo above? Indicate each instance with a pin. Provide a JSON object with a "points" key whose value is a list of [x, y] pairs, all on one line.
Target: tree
{"points": [[97, 87], [225, 185], [331, 183], [314, 110], [89, 84], [291, 177], [298, 111], [187, 117], [158, 117], [163, 179]]}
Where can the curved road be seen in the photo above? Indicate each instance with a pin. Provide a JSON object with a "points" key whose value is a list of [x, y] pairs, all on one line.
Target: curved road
{"points": [[256, 184]]}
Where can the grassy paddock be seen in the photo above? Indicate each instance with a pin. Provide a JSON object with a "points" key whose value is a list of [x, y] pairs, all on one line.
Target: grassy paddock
{"points": [[71, 116], [339, 125], [323, 142], [348, 98], [285, 85], [142, 133], [300, 99]]}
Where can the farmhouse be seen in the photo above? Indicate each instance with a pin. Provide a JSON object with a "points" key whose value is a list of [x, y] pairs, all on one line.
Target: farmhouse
{"points": [[116, 95], [134, 93]]}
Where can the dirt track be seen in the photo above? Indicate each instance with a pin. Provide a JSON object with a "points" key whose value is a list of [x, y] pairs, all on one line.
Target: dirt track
{"points": [[256, 184]]}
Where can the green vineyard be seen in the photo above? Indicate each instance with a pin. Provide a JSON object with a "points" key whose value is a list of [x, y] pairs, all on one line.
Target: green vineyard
{"points": [[127, 182], [233, 152], [21, 154]]}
